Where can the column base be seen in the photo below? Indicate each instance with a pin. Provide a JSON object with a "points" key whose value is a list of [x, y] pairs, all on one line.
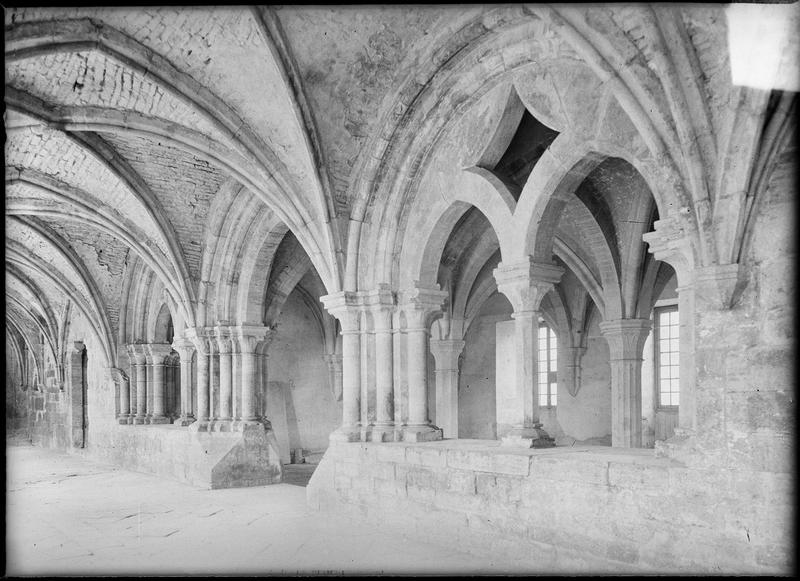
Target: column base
{"points": [[185, 421], [534, 437], [219, 425], [124, 420], [421, 433], [138, 421], [161, 420], [381, 433], [346, 434], [200, 426]]}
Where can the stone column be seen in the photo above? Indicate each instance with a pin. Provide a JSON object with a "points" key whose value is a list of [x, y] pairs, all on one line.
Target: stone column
{"points": [[262, 377], [236, 376], [248, 338], [141, 384], [345, 307], [419, 305], [132, 381], [185, 351], [225, 383], [446, 353], [213, 376], [203, 379], [169, 384], [157, 354], [525, 284], [77, 412], [381, 303], [121, 379], [626, 339]]}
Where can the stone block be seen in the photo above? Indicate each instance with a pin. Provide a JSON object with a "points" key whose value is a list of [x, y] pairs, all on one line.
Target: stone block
{"points": [[499, 489], [641, 477], [426, 457], [421, 494], [761, 369], [421, 477], [461, 481], [685, 481], [457, 502], [390, 453], [515, 464], [347, 451], [391, 488], [380, 470], [759, 410], [763, 489], [760, 451], [574, 469], [469, 460], [349, 469], [362, 484], [342, 482]]}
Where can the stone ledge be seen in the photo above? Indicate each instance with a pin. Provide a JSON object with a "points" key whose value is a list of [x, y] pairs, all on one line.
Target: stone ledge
{"points": [[595, 508], [206, 459]]}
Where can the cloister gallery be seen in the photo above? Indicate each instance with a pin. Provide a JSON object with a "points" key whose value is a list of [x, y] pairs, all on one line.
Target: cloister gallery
{"points": [[517, 278]]}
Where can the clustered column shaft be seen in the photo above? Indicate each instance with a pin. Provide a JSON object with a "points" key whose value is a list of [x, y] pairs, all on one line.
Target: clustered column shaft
{"points": [[379, 354]]}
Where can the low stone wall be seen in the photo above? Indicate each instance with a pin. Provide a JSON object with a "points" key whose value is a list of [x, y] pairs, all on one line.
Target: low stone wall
{"points": [[565, 509], [206, 459]]}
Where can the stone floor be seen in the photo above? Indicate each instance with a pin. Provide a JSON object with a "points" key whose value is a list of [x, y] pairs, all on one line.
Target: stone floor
{"points": [[66, 515]]}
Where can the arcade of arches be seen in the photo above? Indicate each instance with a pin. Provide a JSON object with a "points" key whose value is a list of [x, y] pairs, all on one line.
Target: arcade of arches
{"points": [[516, 277]]}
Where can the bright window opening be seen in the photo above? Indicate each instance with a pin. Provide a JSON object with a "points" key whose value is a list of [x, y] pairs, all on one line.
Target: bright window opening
{"points": [[547, 365], [667, 367]]}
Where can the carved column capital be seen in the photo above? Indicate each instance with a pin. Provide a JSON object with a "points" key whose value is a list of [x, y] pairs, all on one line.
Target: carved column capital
{"points": [[346, 307], [249, 337], [223, 342], [382, 304], [526, 283], [201, 338], [670, 242], [446, 353], [420, 304], [184, 347], [156, 353], [626, 337]]}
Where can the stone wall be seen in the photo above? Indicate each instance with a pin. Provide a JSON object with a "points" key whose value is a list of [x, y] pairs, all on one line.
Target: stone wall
{"points": [[300, 403], [587, 416], [208, 460], [476, 385], [573, 509]]}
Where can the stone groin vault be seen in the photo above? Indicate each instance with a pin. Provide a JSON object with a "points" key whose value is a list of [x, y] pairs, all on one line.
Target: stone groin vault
{"points": [[516, 277]]}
